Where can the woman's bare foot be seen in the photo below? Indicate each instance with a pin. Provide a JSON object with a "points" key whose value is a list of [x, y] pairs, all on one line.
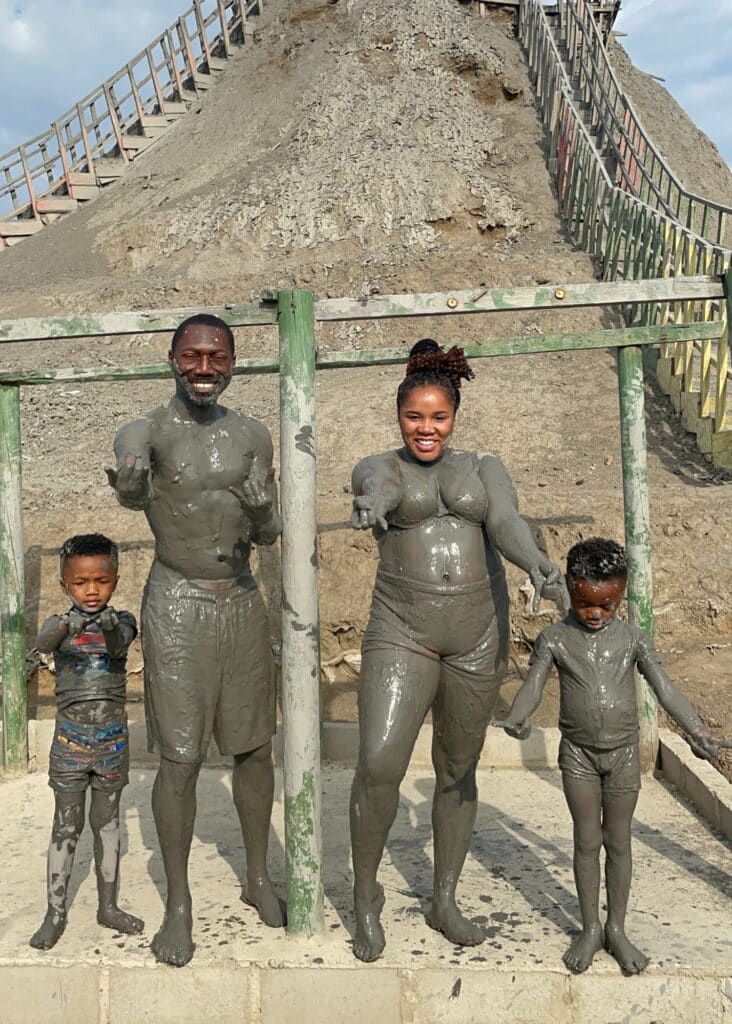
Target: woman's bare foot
{"points": [[445, 917], [174, 944], [259, 893], [50, 931], [619, 946], [369, 942], [582, 951], [113, 917]]}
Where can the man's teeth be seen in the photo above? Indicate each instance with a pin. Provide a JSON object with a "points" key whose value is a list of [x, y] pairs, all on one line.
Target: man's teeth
{"points": [[201, 386]]}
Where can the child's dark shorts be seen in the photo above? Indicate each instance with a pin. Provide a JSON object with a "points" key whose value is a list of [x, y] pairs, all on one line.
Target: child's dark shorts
{"points": [[84, 755], [617, 770]]}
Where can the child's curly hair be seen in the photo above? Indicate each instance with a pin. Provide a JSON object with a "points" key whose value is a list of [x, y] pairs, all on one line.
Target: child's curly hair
{"points": [[597, 559], [430, 365]]}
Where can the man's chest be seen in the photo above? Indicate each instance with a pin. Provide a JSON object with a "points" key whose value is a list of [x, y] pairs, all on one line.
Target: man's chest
{"points": [[189, 458]]}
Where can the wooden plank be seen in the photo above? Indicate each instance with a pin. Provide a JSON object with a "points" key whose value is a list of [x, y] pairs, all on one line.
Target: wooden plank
{"points": [[484, 300], [150, 321], [523, 345]]}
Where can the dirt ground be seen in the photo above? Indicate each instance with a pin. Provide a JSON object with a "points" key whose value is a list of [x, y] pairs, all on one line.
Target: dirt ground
{"points": [[357, 148]]}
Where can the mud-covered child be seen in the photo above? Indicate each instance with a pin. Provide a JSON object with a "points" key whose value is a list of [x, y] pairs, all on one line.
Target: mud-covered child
{"points": [[90, 748], [595, 654]]}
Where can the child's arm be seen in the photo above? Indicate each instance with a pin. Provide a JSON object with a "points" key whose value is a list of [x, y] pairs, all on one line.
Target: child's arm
{"points": [[119, 629], [528, 698], [52, 634], [673, 701]]}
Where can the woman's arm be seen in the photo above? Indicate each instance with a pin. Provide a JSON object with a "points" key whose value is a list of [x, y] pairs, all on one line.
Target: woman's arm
{"points": [[377, 489], [512, 536]]}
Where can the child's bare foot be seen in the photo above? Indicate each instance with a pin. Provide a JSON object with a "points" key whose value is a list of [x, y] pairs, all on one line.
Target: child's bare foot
{"points": [[259, 893], [113, 917], [50, 931], [369, 942], [582, 951], [630, 959], [174, 944], [445, 917]]}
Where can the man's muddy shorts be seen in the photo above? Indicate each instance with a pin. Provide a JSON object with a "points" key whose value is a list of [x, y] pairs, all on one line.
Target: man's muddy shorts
{"points": [[618, 770], [208, 668], [84, 755]]}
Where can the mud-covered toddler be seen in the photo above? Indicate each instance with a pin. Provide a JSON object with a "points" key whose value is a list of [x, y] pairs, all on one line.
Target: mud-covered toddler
{"points": [[595, 654], [90, 748]]}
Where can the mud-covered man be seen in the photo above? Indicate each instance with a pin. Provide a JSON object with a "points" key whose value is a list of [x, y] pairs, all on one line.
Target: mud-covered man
{"points": [[203, 476]]}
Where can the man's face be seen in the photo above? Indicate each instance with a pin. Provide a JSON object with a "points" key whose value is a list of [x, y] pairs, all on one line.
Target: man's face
{"points": [[595, 604], [202, 362]]}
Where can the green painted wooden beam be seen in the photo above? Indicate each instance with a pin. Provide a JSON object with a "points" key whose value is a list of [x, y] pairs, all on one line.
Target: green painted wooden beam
{"points": [[523, 345]]}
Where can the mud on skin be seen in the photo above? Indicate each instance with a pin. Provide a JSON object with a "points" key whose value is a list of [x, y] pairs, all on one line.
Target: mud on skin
{"points": [[203, 476], [437, 639]]}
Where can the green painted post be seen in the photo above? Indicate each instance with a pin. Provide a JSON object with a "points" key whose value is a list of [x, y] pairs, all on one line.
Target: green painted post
{"points": [[12, 600], [637, 530], [300, 616]]}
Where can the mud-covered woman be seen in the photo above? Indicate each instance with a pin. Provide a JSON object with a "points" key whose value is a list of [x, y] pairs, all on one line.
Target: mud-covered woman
{"points": [[438, 633]]}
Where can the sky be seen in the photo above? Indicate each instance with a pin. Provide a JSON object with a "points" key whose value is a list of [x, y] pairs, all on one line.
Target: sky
{"points": [[53, 52]]}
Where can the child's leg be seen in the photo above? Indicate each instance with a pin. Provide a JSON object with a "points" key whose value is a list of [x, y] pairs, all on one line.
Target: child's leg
{"points": [[104, 820], [584, 797], [68, 821], [617, 815]]}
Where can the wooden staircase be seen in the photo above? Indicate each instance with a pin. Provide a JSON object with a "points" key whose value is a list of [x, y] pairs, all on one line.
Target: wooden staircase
{"points": [[90, 146]]}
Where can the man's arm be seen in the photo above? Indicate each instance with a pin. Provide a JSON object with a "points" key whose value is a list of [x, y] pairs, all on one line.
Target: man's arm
{"points": [[377, 490], [258, 493], [672, 699], [512, 536], [131, 479], [528, 698]]}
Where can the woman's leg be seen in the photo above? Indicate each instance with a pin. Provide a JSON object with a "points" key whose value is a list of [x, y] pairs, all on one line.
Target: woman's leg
{"points": [[396, 690], [617, 816], [68, 821], [460, 717], [584, 797]]}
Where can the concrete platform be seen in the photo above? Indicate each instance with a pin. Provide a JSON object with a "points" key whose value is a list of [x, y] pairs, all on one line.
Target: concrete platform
{"points": [[517, 881]]}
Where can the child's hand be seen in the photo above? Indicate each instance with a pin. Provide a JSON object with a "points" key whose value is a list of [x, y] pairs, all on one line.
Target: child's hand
{"points": [[704, 744], [76, 621], [519, 730], [108, 619]]}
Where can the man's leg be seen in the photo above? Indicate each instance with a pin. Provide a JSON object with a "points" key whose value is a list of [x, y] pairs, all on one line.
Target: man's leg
{"points": [[617, 816], [253, 788], [584, 797], [174, 810], [396, 690], [104, 821], [68, 821]]}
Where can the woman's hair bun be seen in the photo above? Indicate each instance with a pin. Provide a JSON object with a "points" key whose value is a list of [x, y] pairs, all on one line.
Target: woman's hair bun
{"points": [[424, 345]]}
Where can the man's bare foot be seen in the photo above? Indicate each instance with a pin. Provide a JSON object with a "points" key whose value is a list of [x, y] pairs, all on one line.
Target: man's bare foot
{"points": [[444, 916], [259, 893], [174, 944], [369, 941], [113, 917], [50, 931], [582, 951], [630, 959]]}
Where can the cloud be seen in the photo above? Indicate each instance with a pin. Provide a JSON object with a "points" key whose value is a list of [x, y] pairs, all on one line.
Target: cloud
{"points": [[53, 54], [689, 45]]}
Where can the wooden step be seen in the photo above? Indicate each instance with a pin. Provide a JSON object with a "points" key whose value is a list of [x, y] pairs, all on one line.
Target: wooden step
{"points": [[108, 169], [135, 143], [56, 204], [174, 108], [217, 63], [81, 178], [84, 192], [155, 122], [20, 228], [202, 80]]}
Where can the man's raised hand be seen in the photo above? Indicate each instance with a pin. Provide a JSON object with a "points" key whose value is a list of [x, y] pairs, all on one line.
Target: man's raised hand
{"points": [[257, 493], [130, 481]]}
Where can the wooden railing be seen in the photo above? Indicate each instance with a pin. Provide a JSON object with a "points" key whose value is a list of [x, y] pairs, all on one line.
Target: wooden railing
{"points": [[639, 166], [112, 120], [631, 238]]}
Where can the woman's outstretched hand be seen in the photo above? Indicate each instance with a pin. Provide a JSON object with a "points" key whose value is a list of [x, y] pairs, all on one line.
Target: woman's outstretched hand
{"points": [[370, 510], [547, 580]]}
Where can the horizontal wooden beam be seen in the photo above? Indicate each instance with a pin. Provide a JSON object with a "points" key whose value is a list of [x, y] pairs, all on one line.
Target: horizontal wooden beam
{"points": [[550, 296], [524, 345], [149, 321]]}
